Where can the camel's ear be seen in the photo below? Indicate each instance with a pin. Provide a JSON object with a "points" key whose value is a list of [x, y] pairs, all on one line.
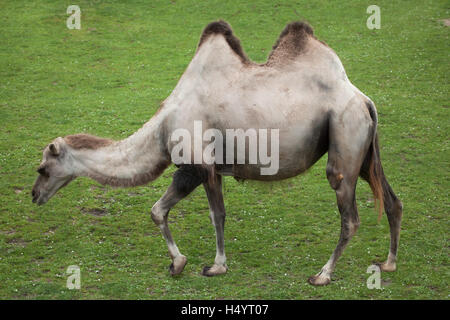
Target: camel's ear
{"points": [[54, 149], [55, 146]]}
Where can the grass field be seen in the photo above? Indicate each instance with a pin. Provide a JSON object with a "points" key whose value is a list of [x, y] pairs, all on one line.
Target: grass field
{"points": [[109, 78]]}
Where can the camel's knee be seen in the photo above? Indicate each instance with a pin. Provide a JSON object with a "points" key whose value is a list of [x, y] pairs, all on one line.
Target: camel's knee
{"points": [[394, 211], [398, 208], [353, 226], [217, 217], [334, 177], [158, 214], [349, 230]]}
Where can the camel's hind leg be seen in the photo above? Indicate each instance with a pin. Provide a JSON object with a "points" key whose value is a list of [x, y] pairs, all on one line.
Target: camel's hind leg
{"points": [[345, 195], [394, 210], [350, 138], [213, 188], [185, 180], [392, 205]]}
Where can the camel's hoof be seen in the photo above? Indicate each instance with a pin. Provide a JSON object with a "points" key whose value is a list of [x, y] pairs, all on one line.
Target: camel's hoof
{"points": [[214, 270], [177, 266], [387, 267], [319, 280]]}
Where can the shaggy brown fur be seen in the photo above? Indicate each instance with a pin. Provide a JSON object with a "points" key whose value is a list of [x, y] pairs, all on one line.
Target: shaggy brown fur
{"points": [[86, 141], [221, 27], [291, 42]]}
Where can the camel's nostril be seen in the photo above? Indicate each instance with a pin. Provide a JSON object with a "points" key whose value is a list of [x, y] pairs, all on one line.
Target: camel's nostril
{"points": [[35, 195]]}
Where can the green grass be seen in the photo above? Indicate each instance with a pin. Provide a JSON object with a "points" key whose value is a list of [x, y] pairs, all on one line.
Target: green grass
{"points": [[108, 79]]}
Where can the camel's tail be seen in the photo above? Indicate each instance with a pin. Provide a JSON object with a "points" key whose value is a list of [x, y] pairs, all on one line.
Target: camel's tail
{"points": [[371, 170]]}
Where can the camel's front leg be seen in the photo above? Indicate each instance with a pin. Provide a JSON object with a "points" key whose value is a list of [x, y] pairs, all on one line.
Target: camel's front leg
{"points": [[213, 190], [185, 180]]}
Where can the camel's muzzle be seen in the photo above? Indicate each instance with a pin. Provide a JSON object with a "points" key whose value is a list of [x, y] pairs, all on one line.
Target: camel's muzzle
{"points": [[35, 195]]}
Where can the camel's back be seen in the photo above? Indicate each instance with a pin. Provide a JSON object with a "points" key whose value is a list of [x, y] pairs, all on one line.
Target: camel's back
{"points": [[302, 75]]}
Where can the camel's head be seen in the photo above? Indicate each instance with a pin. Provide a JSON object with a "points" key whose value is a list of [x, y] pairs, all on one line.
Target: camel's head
{"points": [[55, 171]]}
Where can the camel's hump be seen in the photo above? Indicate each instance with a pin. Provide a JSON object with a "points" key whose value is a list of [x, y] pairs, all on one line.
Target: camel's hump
{"points": [[292, 41], [290, 44], [223, 28], [298, 28]]}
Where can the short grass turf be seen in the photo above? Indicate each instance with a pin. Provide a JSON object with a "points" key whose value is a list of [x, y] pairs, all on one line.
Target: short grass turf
{"points": [[109, 78]]}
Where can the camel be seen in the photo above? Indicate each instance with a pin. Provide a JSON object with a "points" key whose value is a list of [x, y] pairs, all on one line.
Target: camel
{"points": [[302, 90]]}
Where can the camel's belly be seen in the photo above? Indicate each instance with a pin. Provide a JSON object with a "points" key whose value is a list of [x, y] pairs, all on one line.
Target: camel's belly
{"points": [[253, 172], [298, 150]]}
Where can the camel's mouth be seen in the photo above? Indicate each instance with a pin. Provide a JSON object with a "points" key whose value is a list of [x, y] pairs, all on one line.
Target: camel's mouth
{"points": [[35, 195], [42, 195], [38, 199], [41, 201]]}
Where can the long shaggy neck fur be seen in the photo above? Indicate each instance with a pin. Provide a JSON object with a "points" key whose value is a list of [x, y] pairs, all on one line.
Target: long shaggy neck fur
{"points": [[134, 161]]}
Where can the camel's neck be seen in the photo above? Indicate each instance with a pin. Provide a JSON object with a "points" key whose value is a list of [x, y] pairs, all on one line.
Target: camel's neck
{"points": [[136, 160]]}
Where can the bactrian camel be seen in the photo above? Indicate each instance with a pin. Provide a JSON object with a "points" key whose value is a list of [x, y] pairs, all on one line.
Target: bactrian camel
{"points": [[302, 90]]}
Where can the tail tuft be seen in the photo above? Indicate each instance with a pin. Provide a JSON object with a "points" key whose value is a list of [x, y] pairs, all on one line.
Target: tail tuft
{"points": [[371, 170], [375, 175]]}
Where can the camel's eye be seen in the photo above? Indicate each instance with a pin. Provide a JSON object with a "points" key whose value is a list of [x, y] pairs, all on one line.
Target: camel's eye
{"points": [[42, 171]]}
